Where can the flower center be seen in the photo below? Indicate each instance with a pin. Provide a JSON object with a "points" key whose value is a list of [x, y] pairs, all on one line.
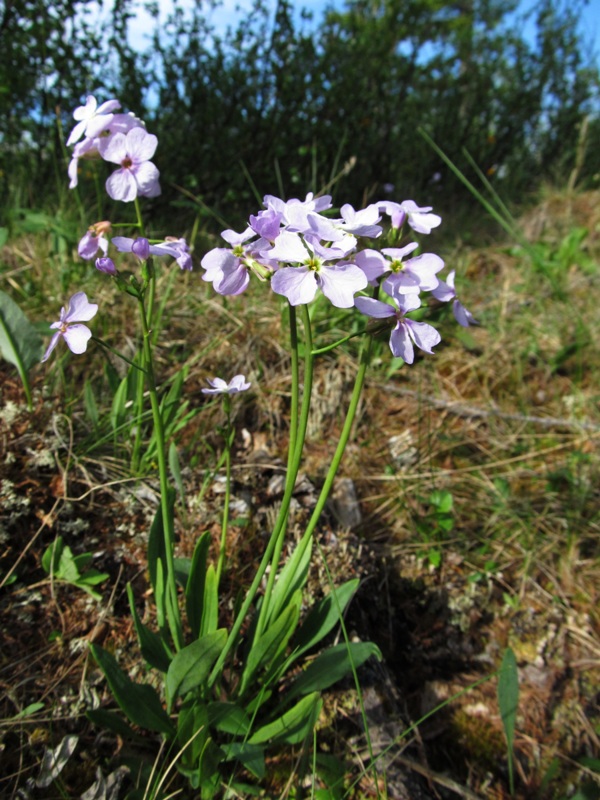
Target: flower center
{"points": [[396, 265], [314, 264], [127, 163]]}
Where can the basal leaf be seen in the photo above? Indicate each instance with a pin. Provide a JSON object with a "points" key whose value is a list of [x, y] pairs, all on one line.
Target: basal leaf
{"points": [[293, 726], [331, 666], [139, 702], [322, 618], [190, 667]]}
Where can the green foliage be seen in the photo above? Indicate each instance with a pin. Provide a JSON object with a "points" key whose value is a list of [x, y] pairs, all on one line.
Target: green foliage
{"points": [[64, 567], [508, 701], [20, 343], [335, 98]]}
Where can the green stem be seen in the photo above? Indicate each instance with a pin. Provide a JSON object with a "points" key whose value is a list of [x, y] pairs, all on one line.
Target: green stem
{"points": [[173, 615], [295, 386], [292, 473], [225, 521], [276, 537], [365, 357]]}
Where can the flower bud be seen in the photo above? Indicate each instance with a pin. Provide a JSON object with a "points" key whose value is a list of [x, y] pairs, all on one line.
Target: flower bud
{"points": [[106, 265]]}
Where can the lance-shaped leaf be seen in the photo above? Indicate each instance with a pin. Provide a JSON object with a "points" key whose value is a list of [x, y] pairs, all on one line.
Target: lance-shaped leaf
{"points": [[140, 702], [191, 666], [293, 726]]}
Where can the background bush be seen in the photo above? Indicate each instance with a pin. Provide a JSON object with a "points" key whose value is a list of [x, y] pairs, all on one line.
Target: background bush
{"points": [[285, 103]]}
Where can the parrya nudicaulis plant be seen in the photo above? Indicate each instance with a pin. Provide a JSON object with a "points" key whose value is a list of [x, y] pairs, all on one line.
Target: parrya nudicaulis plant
{"points": [[228, 694]]}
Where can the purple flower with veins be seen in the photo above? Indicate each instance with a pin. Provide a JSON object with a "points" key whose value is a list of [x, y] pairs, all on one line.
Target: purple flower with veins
{"points": [[137, 175], [406, 332], [175, 248], [412, 276], [228, 269], [444, 292], [94, 240], [363, 222], [295, 213], [92, 119], [338, 282], [219, 386], [69, 325], [419, 219]]}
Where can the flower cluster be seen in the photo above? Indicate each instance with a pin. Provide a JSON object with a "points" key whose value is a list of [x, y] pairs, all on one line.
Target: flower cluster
{"points": [[301, 250], [120, 139]]}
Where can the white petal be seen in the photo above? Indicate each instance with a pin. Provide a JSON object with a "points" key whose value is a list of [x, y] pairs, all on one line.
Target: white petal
{"points": [[77, 338], [80, 309], [340, 284], [121, 185]]}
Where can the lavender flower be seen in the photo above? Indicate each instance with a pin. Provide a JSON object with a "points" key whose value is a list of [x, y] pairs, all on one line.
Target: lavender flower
{"points": [[94, 240], [106, 265], [228, 269], [419, 219], [235, 385], [69, 325], [175, 248], [92, 119], [338, 282], [137, 175], [406, 331], [445, 292]]}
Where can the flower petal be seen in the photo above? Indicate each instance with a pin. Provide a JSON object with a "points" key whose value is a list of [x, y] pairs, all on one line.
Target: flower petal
{"points": [[121, 185], [401, 344], [80, 309], [423, 335], [146, 176], [141, 145], [339, 284], [77, 338], [298, 284], [374, 308], [51, 346]]}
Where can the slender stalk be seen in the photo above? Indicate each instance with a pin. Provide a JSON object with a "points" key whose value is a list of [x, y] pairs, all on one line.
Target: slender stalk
{"points": [[279, 527], [365, 357], [173, 615], [225, 520], [295, 387], [294, 461]]}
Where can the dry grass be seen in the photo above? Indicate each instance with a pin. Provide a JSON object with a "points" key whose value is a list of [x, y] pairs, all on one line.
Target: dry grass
{"points": [[505, 418]]}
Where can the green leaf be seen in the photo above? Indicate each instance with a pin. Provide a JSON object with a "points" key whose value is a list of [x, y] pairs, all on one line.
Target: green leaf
{"points": [[112, 722], [91, 407], [154, 648], [190, 667], [272, 643], [331, 666], [194, 590], [252, 756], [293, 726], [229, 718], [323, 616], [20, 343], [117, 411], [175, 468], [210, 610], [139, 702], [52, 555], [291, 578], [508, 701]]}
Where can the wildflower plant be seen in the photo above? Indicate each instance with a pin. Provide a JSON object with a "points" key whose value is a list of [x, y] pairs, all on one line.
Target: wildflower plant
{"points": [[228, 694]]}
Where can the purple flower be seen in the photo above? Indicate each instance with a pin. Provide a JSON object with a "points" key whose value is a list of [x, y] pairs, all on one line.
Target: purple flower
{"points": [[92, 119], [141, 248], [419, 219], [295, 214], [444, 292], [106, 265], [138, 175], [228, 269], [69, 325], [412, 276], [338, 282], [175, 248], [94, 240], [235, 385], [406, 331]]}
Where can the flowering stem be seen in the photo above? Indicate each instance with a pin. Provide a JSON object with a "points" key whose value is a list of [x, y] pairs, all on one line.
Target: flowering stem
{"points": [[292, 473], [225, 522], [365, 357], [275, 544], [295, 386], [173, 615]]}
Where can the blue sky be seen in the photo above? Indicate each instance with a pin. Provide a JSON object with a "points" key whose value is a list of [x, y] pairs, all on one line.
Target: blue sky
{"points": [[232, 10]]}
